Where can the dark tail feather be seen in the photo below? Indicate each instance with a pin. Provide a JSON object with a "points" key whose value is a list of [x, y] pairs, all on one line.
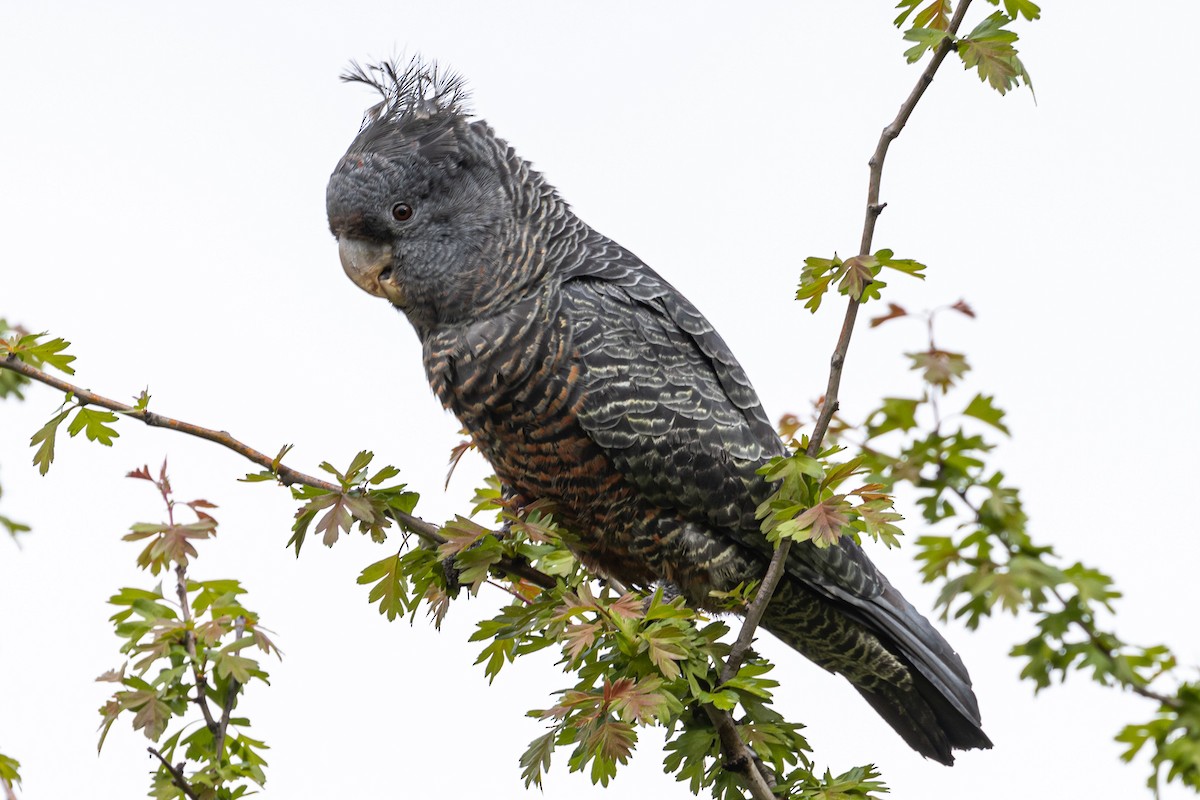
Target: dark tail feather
{"points": [[892, 655], [939, 713], [924, 718]]}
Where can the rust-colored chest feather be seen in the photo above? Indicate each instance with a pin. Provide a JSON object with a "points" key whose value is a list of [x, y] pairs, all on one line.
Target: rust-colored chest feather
{"points": [[517, 385]]}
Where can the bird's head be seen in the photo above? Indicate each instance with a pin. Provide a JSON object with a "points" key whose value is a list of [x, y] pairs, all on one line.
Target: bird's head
{"points": [[419, 204]]}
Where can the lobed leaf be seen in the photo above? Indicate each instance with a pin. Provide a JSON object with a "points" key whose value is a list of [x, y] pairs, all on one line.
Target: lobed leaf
{"points": [[94, 424], [44, 439]]}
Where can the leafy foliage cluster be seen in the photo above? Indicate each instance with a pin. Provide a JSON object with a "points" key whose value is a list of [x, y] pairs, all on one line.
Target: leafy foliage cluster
{"points": [[638, 659], [989, 48], [10, 386], [190, 651], [987, 559]]}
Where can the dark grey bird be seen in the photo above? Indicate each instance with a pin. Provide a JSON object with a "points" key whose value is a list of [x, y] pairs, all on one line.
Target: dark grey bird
{"points": [[588, 380]]}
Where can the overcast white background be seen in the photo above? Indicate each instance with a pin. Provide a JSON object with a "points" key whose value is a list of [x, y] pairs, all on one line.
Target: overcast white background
{"points": [[163, 170]]}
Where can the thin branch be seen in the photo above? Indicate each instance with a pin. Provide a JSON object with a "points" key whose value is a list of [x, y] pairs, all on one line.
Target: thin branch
{"points": [[189, 642], [177, 776], [775, 569], [508, 589], [286, 475], [723, 720], [9, 794], [1088, 627], [874, 208], [230, 696], [739, 758], [1094, 637]]}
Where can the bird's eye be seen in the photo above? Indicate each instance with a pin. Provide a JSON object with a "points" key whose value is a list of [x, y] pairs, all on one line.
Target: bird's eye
{"points": [[402, 212]]}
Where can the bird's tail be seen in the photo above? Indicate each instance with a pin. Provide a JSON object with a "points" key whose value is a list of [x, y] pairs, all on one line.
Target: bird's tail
{"points": [[893, 657]]}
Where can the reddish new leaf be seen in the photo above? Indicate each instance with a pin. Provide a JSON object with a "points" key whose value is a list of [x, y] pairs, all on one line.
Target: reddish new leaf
{"points": [[142, 472], [894, 311], [579, 637], [825, 519]]}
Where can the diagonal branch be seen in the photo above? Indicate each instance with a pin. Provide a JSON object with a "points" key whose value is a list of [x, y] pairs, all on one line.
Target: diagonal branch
{"points": [[1086, 624], [177, 776], [286, 475], [829, 407]]}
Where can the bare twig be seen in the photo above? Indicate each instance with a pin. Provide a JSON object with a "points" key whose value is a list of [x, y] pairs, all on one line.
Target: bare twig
{"points": [[874, 208], [177, 776], [509, 590], [286, 475]]}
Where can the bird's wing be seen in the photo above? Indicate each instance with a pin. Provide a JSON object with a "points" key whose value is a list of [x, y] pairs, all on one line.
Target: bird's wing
{"points": [[664, 396], [674, 411]]}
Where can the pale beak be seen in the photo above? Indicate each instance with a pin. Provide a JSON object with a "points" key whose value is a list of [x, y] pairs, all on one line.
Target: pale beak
{"points": [[369, 265]]}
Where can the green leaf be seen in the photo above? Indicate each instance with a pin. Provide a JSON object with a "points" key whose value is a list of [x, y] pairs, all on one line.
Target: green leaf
{"points": [[283, 451], [536, 759], [10, 770], [45, 437], [989, 49], [815, 279], [359, 463], [935, 15], [878, 516], [665, 646], [908, 266], [982, 408], [939, 367], [12, 527], [35, 353], [94, 424], [926, 39], [152, 713], [387, 473], [242, 669], [387, 586], [1025, 8], [896, 413]]}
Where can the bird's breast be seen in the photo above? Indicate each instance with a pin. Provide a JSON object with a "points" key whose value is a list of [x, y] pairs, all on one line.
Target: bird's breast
{"points": [[517, 386]]}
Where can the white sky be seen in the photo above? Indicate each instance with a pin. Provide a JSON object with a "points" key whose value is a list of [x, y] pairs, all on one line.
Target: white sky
{"points": [[163, 173]]}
